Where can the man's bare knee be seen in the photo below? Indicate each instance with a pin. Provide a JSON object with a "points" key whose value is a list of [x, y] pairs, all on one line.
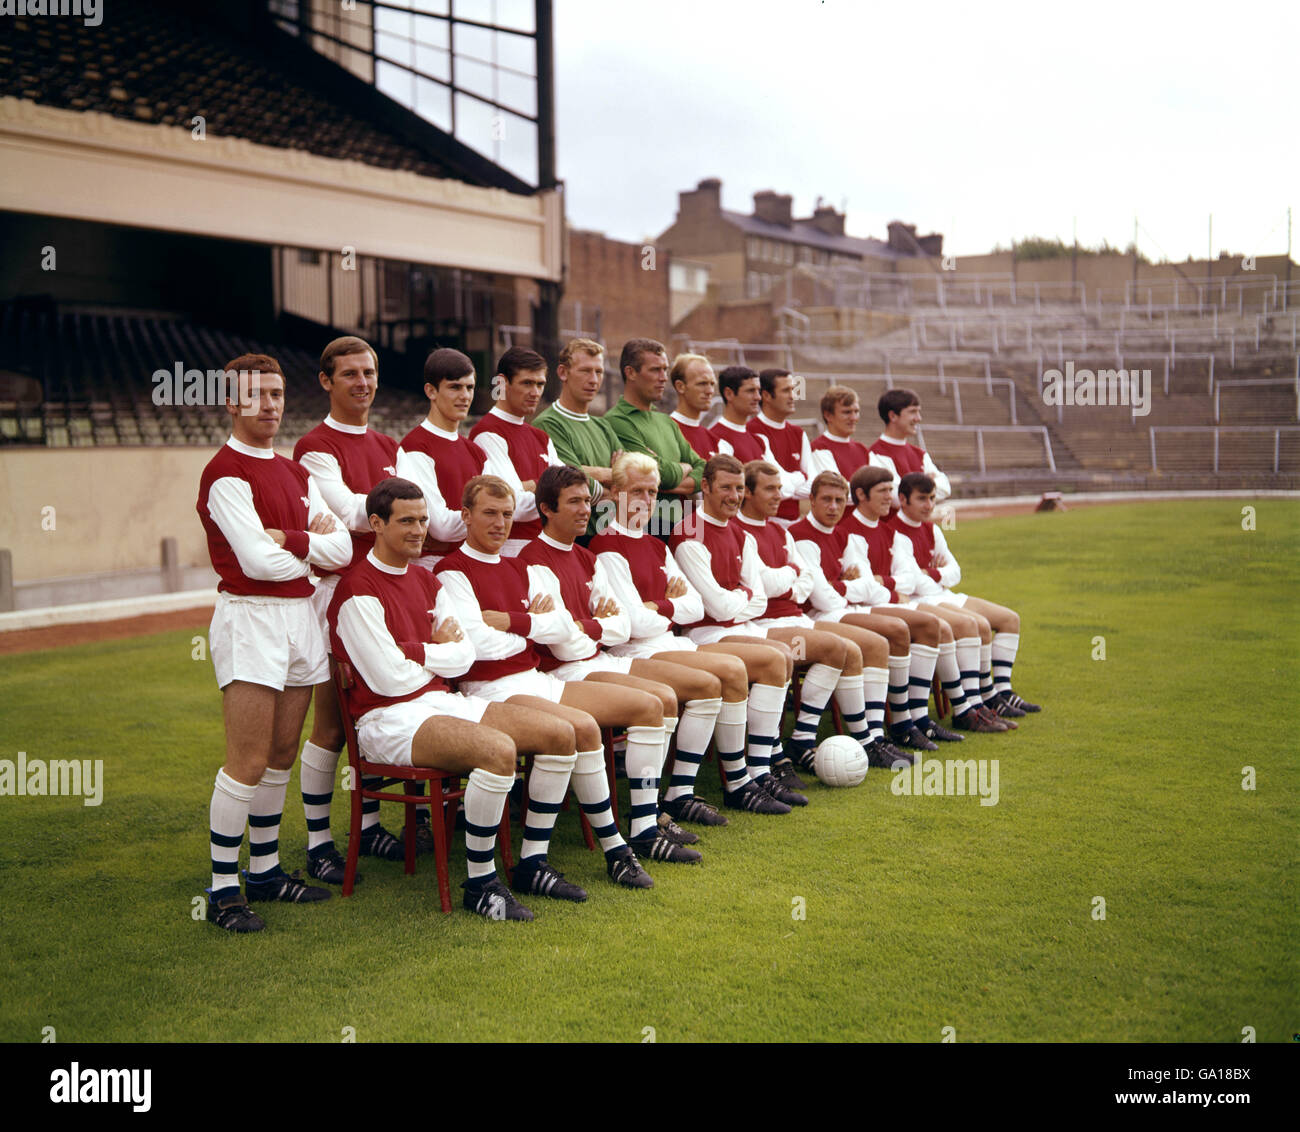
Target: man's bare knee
{"points": [[498, 754]]}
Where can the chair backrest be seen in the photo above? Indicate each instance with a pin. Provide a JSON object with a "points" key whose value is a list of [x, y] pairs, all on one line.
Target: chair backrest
{"points": [[343, 680]]}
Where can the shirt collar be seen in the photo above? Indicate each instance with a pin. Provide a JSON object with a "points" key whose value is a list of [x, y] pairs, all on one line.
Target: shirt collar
{"points": [[891, 440], [339, 426], [904, 519], [478, 555], [734, 427], [681, 418], [433, 428], [249, 450], [750, 522], [828, 435], [769, 422], [497, 411], [570, 413], [817, 526], [617, 528], [710, 519], [861, 518], [557, 545], [370, 557]]}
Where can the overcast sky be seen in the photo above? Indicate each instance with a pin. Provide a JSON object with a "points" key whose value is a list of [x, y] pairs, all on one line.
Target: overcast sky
{"points": [[985, 122]]}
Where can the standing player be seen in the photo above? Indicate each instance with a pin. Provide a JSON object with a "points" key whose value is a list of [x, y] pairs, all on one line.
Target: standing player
{"points": [[581, 440], [506, 624], [504, 433], [646, 581], [345, 459], [396, 628], [266, 524], [439, 460], [740, 402], [787, 444], [900, 409], [840, 412], [695, 385]]}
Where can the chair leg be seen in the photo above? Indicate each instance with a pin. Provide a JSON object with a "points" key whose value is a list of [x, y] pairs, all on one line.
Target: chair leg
{"points": [[503, 836], [408, 827], [610, 773], [441, 854], [942, 705], [354, 841]]}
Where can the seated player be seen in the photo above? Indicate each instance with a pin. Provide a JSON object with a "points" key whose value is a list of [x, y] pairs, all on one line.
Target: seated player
{"points": [[266, 526], [835, 449], [850, 594], [740, 400], [646, 581], [506, 625], [722, 562], [503, 432], [788, 583], [345, 458], [870, 547], [581, 440], [900, 409], [695, 386], [921, 558], [577, 582], [439, 460], [787, 444], [396, 628]]}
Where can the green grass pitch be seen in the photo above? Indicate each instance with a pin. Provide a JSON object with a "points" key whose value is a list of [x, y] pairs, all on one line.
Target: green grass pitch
{"points": [[918, 913]]}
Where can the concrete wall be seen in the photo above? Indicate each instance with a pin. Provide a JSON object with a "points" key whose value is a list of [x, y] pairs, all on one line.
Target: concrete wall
{"points": [[112, 507]]}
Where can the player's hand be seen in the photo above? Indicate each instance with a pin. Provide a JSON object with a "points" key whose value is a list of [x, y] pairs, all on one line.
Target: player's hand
{"points": [[323, 524], [851, 574], [605, 607], [276, 536], [542, 603], [602, 476], [447, 633], [879, 579], [495, 619], [529, 485], [676, 587]]}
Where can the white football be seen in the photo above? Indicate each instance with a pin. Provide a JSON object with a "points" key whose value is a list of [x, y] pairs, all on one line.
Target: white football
{"points": [[840, 761]]}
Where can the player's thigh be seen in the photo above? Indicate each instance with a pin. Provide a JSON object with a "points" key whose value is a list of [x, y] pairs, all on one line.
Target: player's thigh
{"points": [[893, 629], [962, 624], [811, 645], [861, 646], [586, 733], [1000, 618], [667, 704], [286, 733], [249, 711], [764, 663], [459, 746], [771, 642], [924, 628], [687, 682], [727, 669], [534, 729]]}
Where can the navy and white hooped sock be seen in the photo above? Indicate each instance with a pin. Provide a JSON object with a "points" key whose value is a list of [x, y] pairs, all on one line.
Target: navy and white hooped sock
{"points": [[547, 784], [730, 744], [851, 700], [316, 778], [968, 660], [264, 814], [899, 667], [592, 788], [875, 683], [924, 659], [227, 820], [950, 678], [986, 672], [766, 704], [700, 719], [818, 686], [485, 801], [1005, 647], [645, 756]]}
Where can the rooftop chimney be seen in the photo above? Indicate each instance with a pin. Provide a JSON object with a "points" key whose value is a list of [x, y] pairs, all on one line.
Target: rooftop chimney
{"points": [[773, 207], [703, 200]]}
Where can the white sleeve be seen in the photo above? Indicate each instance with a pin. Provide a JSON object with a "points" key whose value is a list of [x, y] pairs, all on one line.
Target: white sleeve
{"points": [[750, 576], [230, 503], [802, 588], [347, 504], [908, 579], [794, 485], [950, 570], [572, 643], [489, 643], [334, 550], [875, 460], [824, 597], [552, 457], [693, 557], [864, 589], [618, 575], [822, 461], [724, 447], [500, 464], [689, 608], [445, 525], [382, 664], [614, 630], [807, 464], [776, 579], [942, 488]]}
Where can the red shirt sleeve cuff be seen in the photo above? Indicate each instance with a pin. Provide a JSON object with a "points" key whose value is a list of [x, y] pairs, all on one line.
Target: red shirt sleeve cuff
{"points": [[591, 627], [413, 651], [521, 624], [296, 543], [665, 608], [933, 573], [840, 588]]}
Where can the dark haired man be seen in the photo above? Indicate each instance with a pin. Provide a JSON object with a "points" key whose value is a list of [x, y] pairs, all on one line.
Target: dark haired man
{"points": [[740, 402], [787, 444], [900, 409]]}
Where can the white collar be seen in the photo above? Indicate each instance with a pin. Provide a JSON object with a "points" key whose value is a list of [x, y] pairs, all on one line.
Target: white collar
{"points": [[374, 561], [861, 518], [771, 423], [891, 440], [734, 427], [817, 526], [710, 519], [828, 435], [564, 546], [429, 426], [750, 522], [339, 426], [478, 555], [627, 532], [681, 418], [497, 411], [570, 413], [914, 525], [249, 450]]}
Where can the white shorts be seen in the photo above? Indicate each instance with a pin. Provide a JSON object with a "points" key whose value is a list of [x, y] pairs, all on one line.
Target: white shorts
{"points": [[601, 662], [320, 600], [797, 621], [711, 634], [272, 641], [646, 647], [532, 682], [384, 734], [946, 598]]}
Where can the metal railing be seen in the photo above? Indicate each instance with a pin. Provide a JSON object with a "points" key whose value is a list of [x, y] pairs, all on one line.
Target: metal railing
{"points": [[980, 430], [891, 380], [1293, 382], [1217, 429]]}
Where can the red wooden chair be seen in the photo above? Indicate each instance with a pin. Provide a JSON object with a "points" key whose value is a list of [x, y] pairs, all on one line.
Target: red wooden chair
{"points": [[445, 789]]}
